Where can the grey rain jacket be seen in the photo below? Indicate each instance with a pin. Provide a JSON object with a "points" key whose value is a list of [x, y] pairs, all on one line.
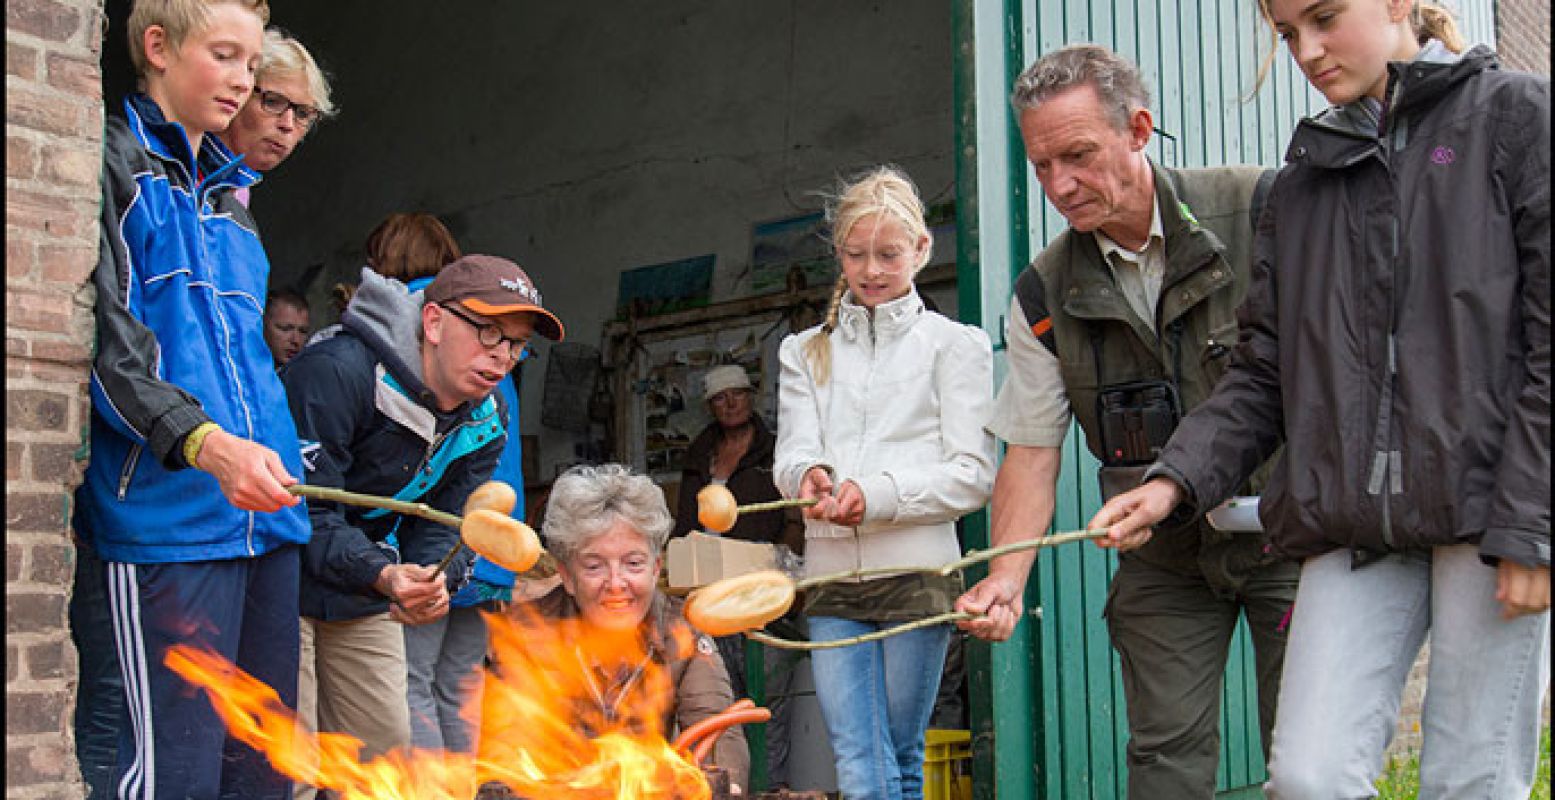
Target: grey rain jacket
{"points": [[1398, 327]]}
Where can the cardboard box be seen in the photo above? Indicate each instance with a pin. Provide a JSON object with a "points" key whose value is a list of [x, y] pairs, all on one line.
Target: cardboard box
{"points": [[698, 559]]}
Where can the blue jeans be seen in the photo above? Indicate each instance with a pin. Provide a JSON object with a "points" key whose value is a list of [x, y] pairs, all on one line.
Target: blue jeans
{"points": [[876, 699], [99, 714], [1353, 638]]}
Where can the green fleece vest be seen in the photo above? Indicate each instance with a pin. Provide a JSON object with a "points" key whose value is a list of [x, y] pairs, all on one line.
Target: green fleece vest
{"points": [[1077, 311]]}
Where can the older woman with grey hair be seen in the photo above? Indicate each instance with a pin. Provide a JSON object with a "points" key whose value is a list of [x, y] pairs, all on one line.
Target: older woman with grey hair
{"points": [[607, 526]]}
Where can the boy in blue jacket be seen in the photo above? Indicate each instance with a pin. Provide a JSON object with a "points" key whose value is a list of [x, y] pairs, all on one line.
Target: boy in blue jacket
{"points": [[184, 495]]}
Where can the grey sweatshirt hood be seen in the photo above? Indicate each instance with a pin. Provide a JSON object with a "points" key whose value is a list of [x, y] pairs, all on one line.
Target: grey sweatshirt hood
{"points": [[386, 315]]}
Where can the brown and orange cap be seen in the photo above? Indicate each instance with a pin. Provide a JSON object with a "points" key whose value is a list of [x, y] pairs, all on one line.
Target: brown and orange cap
{"points": [[493, 286]]}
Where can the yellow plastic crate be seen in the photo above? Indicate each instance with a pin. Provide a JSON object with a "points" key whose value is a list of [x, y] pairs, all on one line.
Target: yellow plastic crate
{"points": [[947, 765]]}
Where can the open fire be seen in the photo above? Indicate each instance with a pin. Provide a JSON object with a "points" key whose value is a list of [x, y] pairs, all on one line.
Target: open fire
{"points": [[544, 731]]}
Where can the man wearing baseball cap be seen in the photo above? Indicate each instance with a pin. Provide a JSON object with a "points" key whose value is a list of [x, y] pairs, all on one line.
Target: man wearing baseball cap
{"points": [[400, 403]]}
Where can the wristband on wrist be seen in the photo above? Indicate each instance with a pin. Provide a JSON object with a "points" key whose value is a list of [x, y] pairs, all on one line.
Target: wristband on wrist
{"points": [[195, 440]]}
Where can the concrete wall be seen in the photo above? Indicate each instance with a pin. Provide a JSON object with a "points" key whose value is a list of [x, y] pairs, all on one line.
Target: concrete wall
{"points": [[581, 142]]}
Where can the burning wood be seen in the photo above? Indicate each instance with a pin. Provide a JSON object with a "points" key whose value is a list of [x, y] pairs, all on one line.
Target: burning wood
{"points": [[542, 731]]}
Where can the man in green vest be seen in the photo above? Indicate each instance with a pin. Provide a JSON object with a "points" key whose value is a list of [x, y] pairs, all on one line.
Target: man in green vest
{"points": [[1123, 323]]}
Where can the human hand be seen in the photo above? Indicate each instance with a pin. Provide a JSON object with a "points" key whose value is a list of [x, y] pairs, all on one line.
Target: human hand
{"points": [[848, 508], [251, 475], [998, 599], [418, 596], [816, 485], [1128, 516], [1521, 589]]}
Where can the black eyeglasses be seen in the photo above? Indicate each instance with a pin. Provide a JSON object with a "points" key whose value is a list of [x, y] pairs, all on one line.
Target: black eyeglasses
{"points": [[275, 104], [489, 334]]}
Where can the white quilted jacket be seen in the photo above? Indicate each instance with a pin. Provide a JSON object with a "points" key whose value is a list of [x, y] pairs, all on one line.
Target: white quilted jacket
{"points": [[903, 417]]}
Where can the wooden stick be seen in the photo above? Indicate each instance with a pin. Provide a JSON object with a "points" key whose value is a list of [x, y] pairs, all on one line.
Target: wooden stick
{"points": [[773, 505], [791, 644], [422, 510], [974, 557], [453, 551], [335, 495], [971, 558]]}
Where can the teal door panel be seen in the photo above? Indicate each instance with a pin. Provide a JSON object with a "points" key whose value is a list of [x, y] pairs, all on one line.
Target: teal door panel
{"points": [[1047, 707]]}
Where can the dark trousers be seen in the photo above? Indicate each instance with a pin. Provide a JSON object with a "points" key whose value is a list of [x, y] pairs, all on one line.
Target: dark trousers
{"points": [[244, 610], [99, 713], [779, 681], [1172, 633]]}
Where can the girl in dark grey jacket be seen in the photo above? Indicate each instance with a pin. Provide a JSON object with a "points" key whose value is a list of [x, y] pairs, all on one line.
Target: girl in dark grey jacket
{"points": [[1397, 335]]}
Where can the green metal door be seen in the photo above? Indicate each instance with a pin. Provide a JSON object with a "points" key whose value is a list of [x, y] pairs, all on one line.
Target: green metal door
{"points": [[1047, 706]]}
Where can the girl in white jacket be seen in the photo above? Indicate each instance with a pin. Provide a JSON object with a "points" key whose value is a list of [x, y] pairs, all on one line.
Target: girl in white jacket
{"points": [[880, 417]]}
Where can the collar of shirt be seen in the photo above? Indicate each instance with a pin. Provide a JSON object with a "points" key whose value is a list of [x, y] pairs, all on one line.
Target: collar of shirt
{"points": [[1138, 273], [1156, 236]]}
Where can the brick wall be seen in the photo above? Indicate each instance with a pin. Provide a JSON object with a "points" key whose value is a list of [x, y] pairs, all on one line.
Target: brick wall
{"points": [[1523, 34], [53, 145]]}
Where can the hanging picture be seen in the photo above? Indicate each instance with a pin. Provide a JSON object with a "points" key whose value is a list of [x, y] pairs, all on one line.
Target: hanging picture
{"points": [[789, 251], [665, 288]]}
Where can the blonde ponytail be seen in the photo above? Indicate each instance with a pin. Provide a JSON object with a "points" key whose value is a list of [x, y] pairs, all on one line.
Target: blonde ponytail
{"points": [[818, 350], [1433, 21]]}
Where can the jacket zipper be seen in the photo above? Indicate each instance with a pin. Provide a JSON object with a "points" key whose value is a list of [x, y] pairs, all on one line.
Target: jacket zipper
{"points": [[227, 354], [129, 470], [1387, 465]]}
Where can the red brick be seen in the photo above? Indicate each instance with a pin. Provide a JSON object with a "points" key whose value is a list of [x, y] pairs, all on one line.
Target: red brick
{"points": [[46, 371], [13, 460], [47, 113], [15, 554], [44, 19], [17, 347], [37, 410], [40, 212], [72, 165], [80, 77], [13, 663], [67, 267], [35, 311], [19, 257], [70, 265], [33, 612], [54, 463], [72, 353], [51, 565], [21, 157], [21, 61], [34, 511], [46, 660], [38, 764]]}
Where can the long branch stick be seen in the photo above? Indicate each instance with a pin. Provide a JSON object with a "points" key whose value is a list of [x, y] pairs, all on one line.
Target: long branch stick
{"points": [[335, 495], [773, 505], [968, 560], [791, 644], [422, 510], [971, 558]]}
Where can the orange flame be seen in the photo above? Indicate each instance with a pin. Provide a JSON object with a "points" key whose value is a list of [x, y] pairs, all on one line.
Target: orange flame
{"points": [[545, 729]]}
